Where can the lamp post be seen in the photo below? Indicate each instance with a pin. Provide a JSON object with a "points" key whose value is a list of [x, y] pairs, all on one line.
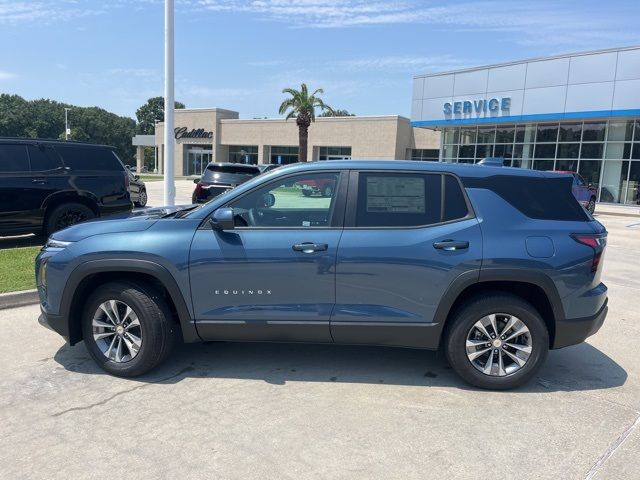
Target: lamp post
{"points": [[169, 150], [66, 123]]}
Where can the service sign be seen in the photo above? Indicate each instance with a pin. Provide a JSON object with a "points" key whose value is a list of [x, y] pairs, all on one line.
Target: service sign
{"points": [[477, 107]]}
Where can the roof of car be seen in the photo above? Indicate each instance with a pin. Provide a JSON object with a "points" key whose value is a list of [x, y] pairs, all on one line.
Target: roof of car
{"points": [[460, 169], [230, 164], [32, 141]]}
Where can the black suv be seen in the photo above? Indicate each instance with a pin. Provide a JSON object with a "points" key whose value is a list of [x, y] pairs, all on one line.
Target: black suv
{"points": [[218, 178], [47, 185]]}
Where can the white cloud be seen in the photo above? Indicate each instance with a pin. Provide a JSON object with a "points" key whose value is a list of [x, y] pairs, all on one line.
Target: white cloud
{"points": [[7, 75], [134, 72]]}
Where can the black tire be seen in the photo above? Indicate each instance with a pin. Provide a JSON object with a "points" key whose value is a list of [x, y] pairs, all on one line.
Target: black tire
{"points": [[142, 198], [475, 309], [159, 332], [306, 192], [65, 215], [327, 192], [591, 206]]}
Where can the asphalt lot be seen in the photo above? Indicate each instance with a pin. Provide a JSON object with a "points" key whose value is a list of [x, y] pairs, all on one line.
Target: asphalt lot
{"points": [[222, 410]]}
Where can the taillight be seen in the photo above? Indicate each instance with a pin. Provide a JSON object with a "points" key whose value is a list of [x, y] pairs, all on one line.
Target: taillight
{"points": [[127, 184], [198, 192], [596, 241]]}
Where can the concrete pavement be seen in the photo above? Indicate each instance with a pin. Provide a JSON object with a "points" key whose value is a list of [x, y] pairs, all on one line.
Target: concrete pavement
{"points": [[223, 410]]}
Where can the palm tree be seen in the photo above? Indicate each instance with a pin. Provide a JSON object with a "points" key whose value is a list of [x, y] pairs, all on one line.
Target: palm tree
{"points": [[303, 106]]}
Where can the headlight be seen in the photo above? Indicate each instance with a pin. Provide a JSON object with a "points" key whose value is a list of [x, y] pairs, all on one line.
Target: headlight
{"points": [[51, 243]]}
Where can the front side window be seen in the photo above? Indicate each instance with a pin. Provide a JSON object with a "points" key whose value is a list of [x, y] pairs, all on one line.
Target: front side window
{"points": [[300, 201], [398, 199], [13, 158]]}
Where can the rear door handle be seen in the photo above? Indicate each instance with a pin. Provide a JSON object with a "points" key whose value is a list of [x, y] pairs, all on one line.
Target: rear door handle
{"points": [[309, 247], [41, 181], [450, 245]]}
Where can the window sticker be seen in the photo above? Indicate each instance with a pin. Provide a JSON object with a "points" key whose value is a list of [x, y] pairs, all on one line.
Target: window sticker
{"points": [[395, 194]]}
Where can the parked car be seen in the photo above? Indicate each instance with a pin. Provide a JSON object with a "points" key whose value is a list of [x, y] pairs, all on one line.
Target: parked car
{"points": [[46, 185], [321, 186], [470, 259], [138, 190], [267, 167], [584, 192], [221, 177]]}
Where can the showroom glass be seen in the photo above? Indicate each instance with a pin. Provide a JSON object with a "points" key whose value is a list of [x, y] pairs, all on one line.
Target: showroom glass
{"points": [[299, 201], [284, 155], [334, 153], [243, 154], [425, 154], [13, 158]]}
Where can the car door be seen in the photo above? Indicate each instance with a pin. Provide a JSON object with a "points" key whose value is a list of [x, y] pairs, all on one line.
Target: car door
{"points": [[19, 191], [48, 177], [272, 277], [407, 237]]}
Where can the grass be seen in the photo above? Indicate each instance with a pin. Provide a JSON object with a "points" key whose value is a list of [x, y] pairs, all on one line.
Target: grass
{"points": [[151, 178], [16, 269]]}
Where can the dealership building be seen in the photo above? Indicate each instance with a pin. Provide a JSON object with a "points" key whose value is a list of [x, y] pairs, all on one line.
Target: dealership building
{"points": [[203, 135], [578, 112]]}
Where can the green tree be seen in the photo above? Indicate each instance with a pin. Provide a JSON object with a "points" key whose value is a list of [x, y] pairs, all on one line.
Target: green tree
{"points": [[150, 113], [337, 113], [303, 107], [44, 118]]}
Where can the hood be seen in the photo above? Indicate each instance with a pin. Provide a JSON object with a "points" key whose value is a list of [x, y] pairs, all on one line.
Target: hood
{"points": [[135, 221]]}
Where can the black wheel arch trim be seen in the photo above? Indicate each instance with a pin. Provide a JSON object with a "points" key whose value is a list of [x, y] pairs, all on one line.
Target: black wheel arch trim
{"points": [[155, 270], [486, 275]]}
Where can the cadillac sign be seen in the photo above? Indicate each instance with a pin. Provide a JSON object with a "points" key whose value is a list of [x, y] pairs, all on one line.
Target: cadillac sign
{"points": [[183, 132], [480, 106]]}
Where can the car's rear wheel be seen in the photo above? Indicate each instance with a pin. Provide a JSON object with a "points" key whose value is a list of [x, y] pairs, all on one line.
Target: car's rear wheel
{"points": [[591, 206], [65, 215], [128, 328], [497, 341]]}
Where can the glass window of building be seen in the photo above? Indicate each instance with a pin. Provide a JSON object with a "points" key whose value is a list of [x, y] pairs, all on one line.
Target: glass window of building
{"points": [[335, 153], [592, 150], [486, 134], [635, 152], [282, 155], [547, 132], [568, 150], [633, 187], [545, 150], [620, 131], [468, 136], [593, 131], [570, 132], [525, 133], [614, 180], [451, 135], [243, 154], [505, 133], [543, 165], [590, 171], [450, 153], [566, 165], [430, 155]]}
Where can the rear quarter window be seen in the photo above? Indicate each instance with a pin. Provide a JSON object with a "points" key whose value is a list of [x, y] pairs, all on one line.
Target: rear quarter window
{"points": [[89, 158]]}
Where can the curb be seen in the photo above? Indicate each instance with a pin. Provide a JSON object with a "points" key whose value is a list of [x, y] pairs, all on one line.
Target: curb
{"points": [[18, 299]]}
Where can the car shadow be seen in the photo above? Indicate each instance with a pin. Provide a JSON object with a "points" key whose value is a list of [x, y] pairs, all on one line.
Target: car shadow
{"points": [[577, 368], [20, 241]]}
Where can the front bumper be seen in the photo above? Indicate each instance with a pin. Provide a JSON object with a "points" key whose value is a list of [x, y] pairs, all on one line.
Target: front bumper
{"points": [[54, 322], [576, 330]]}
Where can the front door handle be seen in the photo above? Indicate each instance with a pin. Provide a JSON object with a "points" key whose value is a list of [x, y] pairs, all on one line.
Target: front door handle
{"points": [[39, 181], [309, 247], [450, 245]]}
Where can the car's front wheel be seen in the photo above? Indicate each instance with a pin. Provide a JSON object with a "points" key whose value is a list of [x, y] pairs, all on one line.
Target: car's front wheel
{"points": [[142, 198], [497, 341], [128, 328]]}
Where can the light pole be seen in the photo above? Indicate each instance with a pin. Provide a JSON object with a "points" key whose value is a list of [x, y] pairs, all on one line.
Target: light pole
{"points": [[169, 150], [66, 123]]}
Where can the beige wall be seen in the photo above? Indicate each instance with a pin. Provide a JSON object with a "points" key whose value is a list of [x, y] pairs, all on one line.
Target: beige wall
{"points": [[375, 137]]}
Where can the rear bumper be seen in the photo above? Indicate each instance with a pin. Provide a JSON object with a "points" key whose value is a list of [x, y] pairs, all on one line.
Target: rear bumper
{"points": [[576, 330]]}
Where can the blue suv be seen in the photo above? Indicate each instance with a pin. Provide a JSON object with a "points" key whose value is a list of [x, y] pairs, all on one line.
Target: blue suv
{"points": [[471, 259]]}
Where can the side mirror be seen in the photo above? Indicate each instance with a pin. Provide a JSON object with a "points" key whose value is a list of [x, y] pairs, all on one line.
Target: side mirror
{"points": [[196, 180], [137, 177], [222, 219], [268, 200]]}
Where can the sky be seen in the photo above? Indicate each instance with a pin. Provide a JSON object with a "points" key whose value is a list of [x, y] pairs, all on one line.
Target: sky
{"points": [[240, 54]]}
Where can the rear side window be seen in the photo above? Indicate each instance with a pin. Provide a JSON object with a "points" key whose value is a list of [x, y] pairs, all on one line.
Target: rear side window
{"points": [[234, 169], [398, 199], [13, 158], [43, 158], [88, 158], [542, 198]]}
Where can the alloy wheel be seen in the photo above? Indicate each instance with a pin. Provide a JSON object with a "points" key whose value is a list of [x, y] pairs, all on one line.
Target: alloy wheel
{"points": [[70, 217], [117, 331], [499, 344]]}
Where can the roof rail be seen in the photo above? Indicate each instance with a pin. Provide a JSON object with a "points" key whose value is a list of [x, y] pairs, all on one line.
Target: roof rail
{"points": [[492, 161]]}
